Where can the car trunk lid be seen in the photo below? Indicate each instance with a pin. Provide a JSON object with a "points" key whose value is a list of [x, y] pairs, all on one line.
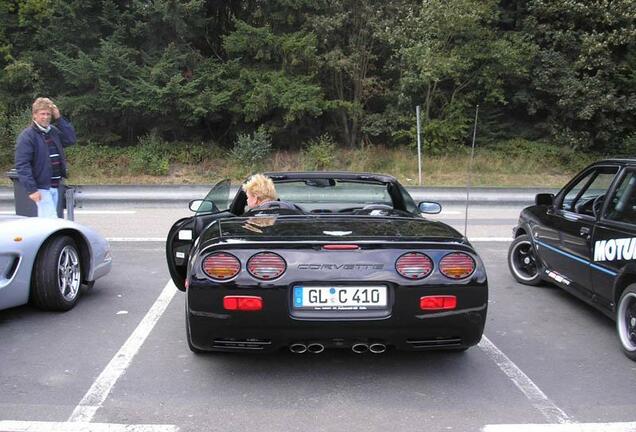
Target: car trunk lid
{"points": [[338, 228]]}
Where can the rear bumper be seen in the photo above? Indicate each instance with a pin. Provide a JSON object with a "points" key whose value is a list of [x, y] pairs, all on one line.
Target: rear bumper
{"points": [[274, 328], [457, 332]]}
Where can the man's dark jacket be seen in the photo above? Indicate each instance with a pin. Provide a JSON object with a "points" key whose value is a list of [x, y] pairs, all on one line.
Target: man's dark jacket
{"points": [[32, 159]]}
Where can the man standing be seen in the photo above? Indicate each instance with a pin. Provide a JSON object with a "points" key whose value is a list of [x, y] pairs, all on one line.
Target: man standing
{"points": [[39, 155]]}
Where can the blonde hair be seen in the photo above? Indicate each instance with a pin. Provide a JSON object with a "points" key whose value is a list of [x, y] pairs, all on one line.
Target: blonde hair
{"points": [[262, 187], [42, 103]]}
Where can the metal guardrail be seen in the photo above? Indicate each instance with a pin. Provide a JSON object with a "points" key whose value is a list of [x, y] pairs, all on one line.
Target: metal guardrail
{"points": [[182, 194]]}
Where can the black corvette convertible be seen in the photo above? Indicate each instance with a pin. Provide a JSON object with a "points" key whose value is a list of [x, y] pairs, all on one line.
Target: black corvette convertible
{"points": [[350, 264]]}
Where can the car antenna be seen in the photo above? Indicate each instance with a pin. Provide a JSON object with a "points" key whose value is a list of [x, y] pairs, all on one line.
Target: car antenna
{"points": [[470, 172]]}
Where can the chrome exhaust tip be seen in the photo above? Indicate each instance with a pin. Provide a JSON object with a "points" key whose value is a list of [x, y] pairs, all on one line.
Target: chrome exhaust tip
{"points": [[377, 348], [298, 348], [315, 348], [360, 348]]}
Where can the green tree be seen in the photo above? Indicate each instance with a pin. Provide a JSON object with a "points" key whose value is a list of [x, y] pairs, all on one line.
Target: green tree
{"points": [[142, 74], [583, 79], [454, 55], [353, 49], [275, 65]]}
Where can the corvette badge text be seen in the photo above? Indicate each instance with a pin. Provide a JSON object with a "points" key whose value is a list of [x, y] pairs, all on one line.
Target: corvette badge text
{"points": [[615, 249], [340, 266]]}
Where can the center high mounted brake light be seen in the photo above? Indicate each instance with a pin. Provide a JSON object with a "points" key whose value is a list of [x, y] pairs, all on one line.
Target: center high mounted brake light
{"points": [[340, 247]]}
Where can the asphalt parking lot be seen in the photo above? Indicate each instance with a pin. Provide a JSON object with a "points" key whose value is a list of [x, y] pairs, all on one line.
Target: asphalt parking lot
{"points": [[119, 360]]}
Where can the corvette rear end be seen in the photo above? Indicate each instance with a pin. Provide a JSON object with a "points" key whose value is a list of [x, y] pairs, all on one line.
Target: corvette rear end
{"points": [[310, 283]]}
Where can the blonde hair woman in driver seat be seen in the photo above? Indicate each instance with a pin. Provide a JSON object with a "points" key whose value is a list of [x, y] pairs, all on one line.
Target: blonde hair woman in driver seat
{"points": [[259, 190]]}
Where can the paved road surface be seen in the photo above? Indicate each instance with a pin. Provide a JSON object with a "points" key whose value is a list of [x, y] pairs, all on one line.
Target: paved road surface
{"points": [[119, 360]]}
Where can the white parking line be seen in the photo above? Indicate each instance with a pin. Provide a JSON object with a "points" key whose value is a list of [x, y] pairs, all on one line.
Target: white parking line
{"points": [[24, 426], [570, 427], [136, 239], [490, 239], [105, 211], [97, 394], [87, 212], [534, 394]]}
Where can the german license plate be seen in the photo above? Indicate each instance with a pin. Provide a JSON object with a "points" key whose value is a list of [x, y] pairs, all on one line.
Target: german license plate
{"points": [[344, 298]]}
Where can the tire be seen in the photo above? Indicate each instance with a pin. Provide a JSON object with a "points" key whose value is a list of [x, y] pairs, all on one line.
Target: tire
{"points": [[57, 275], [626, 321], [522, 261]]}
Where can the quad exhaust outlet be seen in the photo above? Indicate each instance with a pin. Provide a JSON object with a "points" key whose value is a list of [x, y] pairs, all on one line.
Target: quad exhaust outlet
{"points": [[298, 348], [317, 348], [377, 348], [301, 348], [360, 348]]}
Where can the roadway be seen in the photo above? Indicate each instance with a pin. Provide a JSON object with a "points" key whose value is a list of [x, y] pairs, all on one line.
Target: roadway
{"points": [[119, 360]]}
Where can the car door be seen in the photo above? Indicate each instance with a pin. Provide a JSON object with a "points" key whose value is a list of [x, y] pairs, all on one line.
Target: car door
{"points": [[185, 231], [614, 239], [567, 252]]}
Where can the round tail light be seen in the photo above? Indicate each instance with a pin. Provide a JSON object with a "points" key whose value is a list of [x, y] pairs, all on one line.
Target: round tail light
{"points": [[414, 265], [457, 265], [221, 266], [266, 266]]}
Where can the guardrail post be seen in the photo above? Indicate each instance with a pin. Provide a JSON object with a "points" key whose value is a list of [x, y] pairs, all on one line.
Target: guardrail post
{"points": [[70, 203]]}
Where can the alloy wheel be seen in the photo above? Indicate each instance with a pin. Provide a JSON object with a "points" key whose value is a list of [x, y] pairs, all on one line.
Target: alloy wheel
{"points": [[524, 261], [626, 321], [68, 273]]}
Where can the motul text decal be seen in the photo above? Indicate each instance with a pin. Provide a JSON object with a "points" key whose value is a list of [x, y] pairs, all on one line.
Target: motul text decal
{"points": [[615, 249]]}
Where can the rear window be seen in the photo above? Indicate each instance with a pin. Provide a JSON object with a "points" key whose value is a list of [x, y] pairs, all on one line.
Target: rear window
{"points": [[334, 194]]}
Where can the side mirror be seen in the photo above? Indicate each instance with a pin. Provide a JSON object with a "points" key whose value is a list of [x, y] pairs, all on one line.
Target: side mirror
{"points": [[429, 207], [546, 199], [202, 206]]}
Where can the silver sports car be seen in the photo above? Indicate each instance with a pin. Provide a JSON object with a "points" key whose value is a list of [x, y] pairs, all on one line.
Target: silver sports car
{"points": [[45, 261]]}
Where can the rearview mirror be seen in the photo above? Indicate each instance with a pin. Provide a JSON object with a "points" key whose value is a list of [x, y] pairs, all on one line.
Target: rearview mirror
{"points": [[202, 206], [546, 199], [429, 207]]}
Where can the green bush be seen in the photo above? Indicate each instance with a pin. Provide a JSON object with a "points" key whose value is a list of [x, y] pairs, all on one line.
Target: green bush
{"points": [[320, 153], [192, 153], [442, 136], [150, 156], [251, 151], [10, 128], [541, 154], [368, 159], [87, 160], [628, 149], [7, 141]]}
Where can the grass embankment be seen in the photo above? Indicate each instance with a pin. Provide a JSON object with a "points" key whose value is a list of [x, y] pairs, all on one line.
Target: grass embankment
{"points": [[499, 166]]}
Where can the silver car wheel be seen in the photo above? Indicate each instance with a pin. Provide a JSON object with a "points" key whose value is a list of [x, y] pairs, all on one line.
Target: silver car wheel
{"points": [[626, 321], [68, 273]]}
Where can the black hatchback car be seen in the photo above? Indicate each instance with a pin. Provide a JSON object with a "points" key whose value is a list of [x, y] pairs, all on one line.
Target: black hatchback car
{"points": [[584, 241]]}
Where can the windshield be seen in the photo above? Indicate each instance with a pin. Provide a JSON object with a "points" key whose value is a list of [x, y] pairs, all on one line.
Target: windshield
{"points": [[219, 195], [333, 193]]}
